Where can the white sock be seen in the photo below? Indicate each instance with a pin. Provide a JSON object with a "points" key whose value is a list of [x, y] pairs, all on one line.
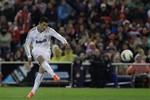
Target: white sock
{"points": [[37, 82], [47, 67]]}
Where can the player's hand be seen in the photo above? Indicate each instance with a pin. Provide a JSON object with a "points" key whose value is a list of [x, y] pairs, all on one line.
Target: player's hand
{"points": [[29, 60], [66, 44]]}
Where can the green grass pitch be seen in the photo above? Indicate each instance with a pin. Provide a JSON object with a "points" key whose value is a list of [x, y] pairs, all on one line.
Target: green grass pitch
{"points": [[47, 93]]}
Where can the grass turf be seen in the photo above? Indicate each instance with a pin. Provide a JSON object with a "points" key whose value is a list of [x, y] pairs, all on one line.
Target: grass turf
{"points": [[19, 93]]}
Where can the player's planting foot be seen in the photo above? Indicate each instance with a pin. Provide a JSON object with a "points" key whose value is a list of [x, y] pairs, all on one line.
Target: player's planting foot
{"points": [[30, 95], [56, 78]]}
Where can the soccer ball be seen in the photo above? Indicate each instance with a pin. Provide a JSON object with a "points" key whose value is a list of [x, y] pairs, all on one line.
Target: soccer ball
{"points": [[126, 55]]}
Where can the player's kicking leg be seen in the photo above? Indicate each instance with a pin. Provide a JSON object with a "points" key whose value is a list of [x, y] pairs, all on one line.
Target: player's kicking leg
{"points": [[47, 67]]}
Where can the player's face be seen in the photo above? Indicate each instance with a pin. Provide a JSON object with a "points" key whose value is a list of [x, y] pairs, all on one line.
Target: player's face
{"points": [[43, 26]]}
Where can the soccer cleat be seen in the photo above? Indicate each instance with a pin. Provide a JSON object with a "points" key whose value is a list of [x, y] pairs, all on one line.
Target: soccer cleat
{"points": [[30, 95], [56, 78]]}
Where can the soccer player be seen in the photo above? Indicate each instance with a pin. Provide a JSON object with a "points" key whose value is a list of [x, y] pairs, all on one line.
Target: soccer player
{"points": [[38, 44]]}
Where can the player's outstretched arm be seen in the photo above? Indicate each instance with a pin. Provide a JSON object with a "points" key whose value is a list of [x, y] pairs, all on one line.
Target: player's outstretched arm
{"points": [[58, 36]]}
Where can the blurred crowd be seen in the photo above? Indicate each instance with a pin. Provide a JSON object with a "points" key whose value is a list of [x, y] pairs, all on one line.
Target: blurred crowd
{"points": [[91, 27]]}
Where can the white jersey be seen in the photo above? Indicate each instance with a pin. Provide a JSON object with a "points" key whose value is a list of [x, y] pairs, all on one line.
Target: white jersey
{"points": [[41, 40]]}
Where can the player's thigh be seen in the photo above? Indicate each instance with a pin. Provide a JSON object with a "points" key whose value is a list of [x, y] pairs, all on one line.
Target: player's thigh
{"points": [[41, 55], [35, 53], [46, 55]]}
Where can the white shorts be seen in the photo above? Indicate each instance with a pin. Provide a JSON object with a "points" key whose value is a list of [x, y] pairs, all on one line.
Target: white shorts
{"points": [[46, 54]]}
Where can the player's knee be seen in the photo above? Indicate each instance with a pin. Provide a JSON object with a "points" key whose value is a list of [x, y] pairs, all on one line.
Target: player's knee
{"points": [[40, 59], [41, 70]]}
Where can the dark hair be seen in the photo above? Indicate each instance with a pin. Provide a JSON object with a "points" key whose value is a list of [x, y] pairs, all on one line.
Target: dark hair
{"points": [[44, 19]]}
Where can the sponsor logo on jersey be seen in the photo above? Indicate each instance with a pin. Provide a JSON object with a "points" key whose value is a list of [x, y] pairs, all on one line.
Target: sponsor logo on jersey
{"points": [[44, 40]]}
